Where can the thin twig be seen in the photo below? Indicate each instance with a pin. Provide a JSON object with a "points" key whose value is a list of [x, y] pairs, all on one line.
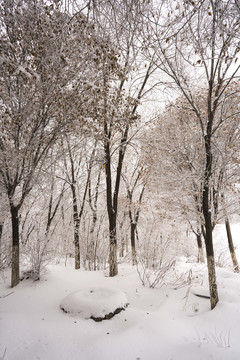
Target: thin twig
{"points": [[3, 296]]}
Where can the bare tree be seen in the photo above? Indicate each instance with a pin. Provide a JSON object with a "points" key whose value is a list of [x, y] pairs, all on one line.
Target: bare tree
{"points": [[40, 94], [135, 186], [121, 23], [78, 165], [200, 42]]}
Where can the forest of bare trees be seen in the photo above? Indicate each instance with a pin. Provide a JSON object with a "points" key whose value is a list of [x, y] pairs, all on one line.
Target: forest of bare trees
{"points": [[119, 130]]}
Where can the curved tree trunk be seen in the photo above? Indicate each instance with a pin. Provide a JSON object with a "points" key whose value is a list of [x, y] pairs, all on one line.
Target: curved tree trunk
{"points": [[134, 217], [208, 219], [231, 246]]}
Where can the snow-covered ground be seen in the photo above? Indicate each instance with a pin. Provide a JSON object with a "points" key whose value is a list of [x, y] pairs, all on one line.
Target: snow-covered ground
{"points": [[165, 323], [158, 324]]}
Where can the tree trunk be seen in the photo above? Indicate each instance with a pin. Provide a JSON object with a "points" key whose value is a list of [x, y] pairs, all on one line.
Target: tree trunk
{"points": [[113, 265], [76, 241], [208, 220], [112, 202], [203, 231], [231, 246], [77, 216], [134, 217], [113, 268], [15, 246], [212, 281], [200, 247], [133, 245], [1, 231], [122, 247], [76, 222], [210, 262], [90, 256], [112, 198], [77, 249]]}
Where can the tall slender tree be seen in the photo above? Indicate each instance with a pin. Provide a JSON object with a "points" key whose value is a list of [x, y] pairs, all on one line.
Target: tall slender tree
{"points": [[120, 23]]}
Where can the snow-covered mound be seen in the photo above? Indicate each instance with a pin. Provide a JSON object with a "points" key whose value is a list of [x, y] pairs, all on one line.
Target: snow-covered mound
{"points": [[96, 303]]}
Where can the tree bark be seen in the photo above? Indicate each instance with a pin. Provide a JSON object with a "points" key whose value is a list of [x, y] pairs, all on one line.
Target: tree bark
{"points": [[212, 281], [112, 203], [133, 244], [92, 248], [134, 217], [200, 248], [76, 221], [1, 231], [203, 231], [77, 249], [112, 198], [133, 226], [122, 248], [15, 246], [78, 215], [113, 265], [231, 246], [210, 262], [208, 218]]}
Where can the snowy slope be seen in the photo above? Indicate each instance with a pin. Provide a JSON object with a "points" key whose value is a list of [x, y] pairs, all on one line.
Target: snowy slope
{"points": [[158, 324]]}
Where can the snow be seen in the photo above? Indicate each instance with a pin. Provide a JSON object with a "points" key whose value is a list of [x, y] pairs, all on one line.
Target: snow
{"points": [[94, 302], [161, 323], [167, 323]]}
